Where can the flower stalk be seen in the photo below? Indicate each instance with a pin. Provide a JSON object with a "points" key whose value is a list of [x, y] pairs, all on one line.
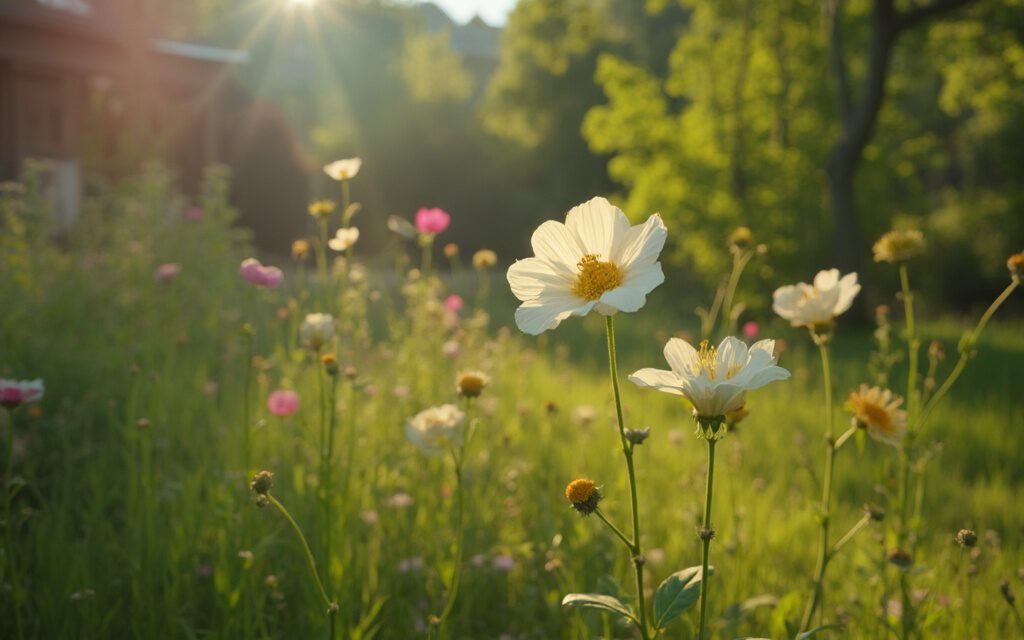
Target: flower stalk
{"points": [[706, 533]]}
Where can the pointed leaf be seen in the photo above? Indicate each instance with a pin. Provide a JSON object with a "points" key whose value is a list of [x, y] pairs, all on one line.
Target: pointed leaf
{"points": [[598, 601], [813, 633], [676, 594]]}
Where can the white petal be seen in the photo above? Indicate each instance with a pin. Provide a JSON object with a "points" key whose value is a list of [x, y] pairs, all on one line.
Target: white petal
{"points": [[826, 279], [530, 277], [641, 245], [784, 301], [537, 316], [659, 379], [731, 352], [632, 293], [597, 223], [764, 345], [848, 290], [553, 242], [681, 357], [760, 377]]}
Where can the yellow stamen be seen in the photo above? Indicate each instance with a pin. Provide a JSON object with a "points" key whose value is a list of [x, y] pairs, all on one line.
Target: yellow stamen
{"points": [[595, 277], [580, 490]]}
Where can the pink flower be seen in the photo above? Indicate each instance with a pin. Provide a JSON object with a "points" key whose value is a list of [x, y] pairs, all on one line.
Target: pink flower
{"points": [[17, 392], [503, 562], [167, 272], [750, 329], [453, 303], [255, 273], [283, 403], [195, 214], [432, 221]]}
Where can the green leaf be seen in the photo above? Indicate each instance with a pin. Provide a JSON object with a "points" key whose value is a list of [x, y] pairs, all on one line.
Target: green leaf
{"points": [[598, 601], [813, 633], [676, 594]]}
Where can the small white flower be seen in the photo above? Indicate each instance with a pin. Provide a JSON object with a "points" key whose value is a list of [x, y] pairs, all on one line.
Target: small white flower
{"points": [[714, 380], [344, 239], [806, 305], [877, 410], [596, 260], [344, 169], [317, 330], [436, 429]]}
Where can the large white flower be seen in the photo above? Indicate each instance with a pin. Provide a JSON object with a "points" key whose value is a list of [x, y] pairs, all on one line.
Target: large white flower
{"points": [[317, 330], [596, 260], [344, 169], [806, 305], [437, 429], [344, 239], [714, 380]]}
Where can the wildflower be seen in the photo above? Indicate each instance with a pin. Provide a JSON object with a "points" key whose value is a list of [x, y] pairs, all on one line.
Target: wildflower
{"points": [[816, 305], [300, 250], [1016, 266], [750, 329], [432, 221], [637, 436], [262, 482], [256, 274], [320, 209], [344, 239], [899, 557], [596, 260], [17, 392], [714, 379], [436, 429], [167, 272], [193, 214], [453, 303], [899, 245], [503, 562], [966, 538], [400, 500], [584, 495], [877, 410], [741, 239], [451, 250], [317, 330], [936, 351], [470, 384], [584, 415], [451, 349], [344, 169], [330, 362], [401, 227], [283, 403], [484, 259]]}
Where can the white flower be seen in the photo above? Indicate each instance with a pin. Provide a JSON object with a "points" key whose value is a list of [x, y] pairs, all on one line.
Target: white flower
{"points": [[877, 410], [317, 330], [596, 260], [819, 303], [344, 238], [343, 169], [436, 429], [714, 380]]}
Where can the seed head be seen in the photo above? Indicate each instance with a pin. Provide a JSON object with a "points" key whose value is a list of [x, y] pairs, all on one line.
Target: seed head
{"points": [[262, 482], [584, 495], [966, 538], [899, 245]]}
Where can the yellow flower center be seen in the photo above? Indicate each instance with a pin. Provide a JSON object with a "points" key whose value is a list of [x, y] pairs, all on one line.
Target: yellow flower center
{"points": [[707, 360], [471, 384], [580, 490], [595, 277], [875, 415]]}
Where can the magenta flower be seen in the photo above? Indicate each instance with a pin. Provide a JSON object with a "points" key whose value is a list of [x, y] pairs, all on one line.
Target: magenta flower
{"points": [[453, 303], [283, 403], [255, 273], [17, 392], [195, 214], [432, 221], [167, 272], [750, 329]]}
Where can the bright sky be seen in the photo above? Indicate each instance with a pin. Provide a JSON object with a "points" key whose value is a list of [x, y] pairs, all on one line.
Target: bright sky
{"points": [[493, 12]]}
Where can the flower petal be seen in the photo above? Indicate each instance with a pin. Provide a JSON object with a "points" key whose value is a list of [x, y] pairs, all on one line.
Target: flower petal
{"points": [[826, 279], [597, 223], [555, 243], [848, 290], [529, 278], [537, 316], [659, 379], [632, 293], [641, 245], [681, 357]]}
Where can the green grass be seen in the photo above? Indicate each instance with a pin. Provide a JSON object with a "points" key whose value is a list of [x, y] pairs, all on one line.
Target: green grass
{"points": [[151, 532]]}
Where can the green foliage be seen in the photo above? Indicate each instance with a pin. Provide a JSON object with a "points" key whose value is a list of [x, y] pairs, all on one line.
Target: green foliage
{"points": [[433, 72], [676, 594]]}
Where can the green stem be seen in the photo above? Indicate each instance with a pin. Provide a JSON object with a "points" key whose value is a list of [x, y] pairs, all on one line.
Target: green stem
{"points": [[328, 457], [330, 604], [913, 343], [854, 530], [818, 592], [706, 535], [739, 263], [321, 260], [627, 452], [618, 532], [9, 525], [846, 436], [247, 405], [459, 537]]}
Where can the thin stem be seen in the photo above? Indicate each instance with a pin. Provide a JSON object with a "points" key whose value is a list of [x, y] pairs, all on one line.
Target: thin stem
{"points": [[627, 452], [459, 537], [330, 604], [9, 525], [846, 436], [854, 530], [615, 530], [739, 263], [328, 457], [247, 406], [913, 343], [706, 535], [818, 593], [321, 259]]}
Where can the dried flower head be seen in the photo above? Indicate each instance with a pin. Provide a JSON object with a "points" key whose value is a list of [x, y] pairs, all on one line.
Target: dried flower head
{"points": [[484, 259], [320, 209], [584, 495], [877, 410], [966, 538], [899, 245], [470, 384], [262, 482], [317, 330]]}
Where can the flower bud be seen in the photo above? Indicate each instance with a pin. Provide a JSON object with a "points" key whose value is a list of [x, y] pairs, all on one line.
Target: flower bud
{"points": [[300, 250], [451, 250], [484, 259], [584, 495], [1016, 266], [320, 209], [741, 239], [262, 482], [899, 557], [637, 436], [899, 245], [874, 512], [330, 362]]}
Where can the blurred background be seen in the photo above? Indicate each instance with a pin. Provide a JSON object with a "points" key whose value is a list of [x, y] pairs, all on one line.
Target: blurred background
{"points": [[820, 125]]}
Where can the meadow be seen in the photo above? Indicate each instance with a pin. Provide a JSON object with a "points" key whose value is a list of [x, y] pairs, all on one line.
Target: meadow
{"points": [[128, 506]]}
